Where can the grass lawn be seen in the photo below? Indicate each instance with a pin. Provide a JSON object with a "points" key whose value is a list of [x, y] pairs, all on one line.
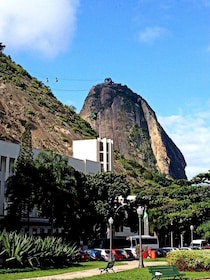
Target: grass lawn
{"points": [[140, 274], [46, 272]]}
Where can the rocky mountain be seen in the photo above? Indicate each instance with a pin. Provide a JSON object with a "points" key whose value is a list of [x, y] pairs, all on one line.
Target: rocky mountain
{"points": [[25, 99], [116, 112], [120, 114]]}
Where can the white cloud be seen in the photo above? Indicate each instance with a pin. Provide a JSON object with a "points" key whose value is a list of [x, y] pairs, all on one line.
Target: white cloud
{"points": [[151, 34], [45, 26], [191, 134]]}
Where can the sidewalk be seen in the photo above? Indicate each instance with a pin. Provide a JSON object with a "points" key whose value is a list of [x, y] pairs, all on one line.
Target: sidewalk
{"points": [[95, 271]]}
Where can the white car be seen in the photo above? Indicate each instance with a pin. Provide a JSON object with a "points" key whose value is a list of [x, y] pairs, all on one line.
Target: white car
{"points": [[169, 249], [101, 254], [133, 251], [185, 248]]}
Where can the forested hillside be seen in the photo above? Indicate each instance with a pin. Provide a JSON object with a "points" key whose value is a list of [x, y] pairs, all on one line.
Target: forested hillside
{"points": [[25, 99]]}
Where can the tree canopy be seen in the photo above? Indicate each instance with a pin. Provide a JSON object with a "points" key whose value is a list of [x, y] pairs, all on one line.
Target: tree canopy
{"points": [[175, 205], [81, 204]]}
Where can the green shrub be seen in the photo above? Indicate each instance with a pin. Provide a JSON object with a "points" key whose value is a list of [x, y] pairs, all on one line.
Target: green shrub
{"points": [[190, 260], [30, 112], [18, 250]]}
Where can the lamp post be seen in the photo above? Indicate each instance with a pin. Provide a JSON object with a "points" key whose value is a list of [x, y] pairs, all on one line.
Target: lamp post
{"points": [[172, 238], [115, 213], [140, 210], [191, 230], [110, 236]]}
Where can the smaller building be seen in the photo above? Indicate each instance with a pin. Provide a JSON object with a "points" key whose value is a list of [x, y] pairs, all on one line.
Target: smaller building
{"points": [[108, 81], [99, 150]]}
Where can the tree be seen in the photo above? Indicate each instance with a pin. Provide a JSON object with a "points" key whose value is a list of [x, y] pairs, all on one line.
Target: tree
{"points": [[202, 178], [79, 213], [20, 187], [56, 187], [2, 47], [174, 206], [103, 189], [204, 230]]}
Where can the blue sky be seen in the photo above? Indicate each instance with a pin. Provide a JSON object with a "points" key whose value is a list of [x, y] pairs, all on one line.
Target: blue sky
{"points": [[159, 49]]}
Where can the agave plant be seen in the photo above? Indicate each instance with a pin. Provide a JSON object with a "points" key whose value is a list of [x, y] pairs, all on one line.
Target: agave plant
{"points": [[52, 250], [15, 248]]}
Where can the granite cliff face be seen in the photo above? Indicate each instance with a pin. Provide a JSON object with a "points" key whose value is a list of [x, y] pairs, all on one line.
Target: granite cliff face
{"points": [[116, 112]]}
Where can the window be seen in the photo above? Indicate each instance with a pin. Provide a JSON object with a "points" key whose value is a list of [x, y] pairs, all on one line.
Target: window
{"points": [[101, 146], [11, 165], [101, 157], [3, 164]]}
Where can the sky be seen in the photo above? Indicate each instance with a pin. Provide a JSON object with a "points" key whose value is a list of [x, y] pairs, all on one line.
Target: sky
{"points": [[159, 49]]}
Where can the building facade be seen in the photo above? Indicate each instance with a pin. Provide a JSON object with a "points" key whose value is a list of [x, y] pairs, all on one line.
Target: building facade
{"points": [[100, 150], [8, 154]]}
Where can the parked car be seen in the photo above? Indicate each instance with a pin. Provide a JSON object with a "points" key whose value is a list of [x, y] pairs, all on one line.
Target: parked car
{"points": [[185, 248], [169, 249], [133, 251], [130, 253], [205, 247], [92, 255], [198, 243], [101, 254], [160, 252], [83, 256], [120, 254]]}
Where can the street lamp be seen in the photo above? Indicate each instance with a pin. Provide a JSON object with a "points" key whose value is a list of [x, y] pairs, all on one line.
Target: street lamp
{"points": [[110, 236], [140, 211], [191, 230], [172, 238], [115, 213]]}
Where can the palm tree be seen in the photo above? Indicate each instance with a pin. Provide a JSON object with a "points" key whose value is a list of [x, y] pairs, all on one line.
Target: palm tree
{"points": [[55, 185]]}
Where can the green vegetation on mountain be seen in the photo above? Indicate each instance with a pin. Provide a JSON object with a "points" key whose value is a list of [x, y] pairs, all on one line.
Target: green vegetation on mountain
{"points": [[13, 79]]}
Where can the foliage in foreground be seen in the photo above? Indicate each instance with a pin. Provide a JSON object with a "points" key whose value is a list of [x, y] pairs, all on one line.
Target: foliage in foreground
{"points": [[19, 250], [190, 260]]}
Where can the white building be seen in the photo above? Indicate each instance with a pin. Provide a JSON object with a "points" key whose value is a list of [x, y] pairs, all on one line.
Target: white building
{"points": [[100, 150], [86, 164]]}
